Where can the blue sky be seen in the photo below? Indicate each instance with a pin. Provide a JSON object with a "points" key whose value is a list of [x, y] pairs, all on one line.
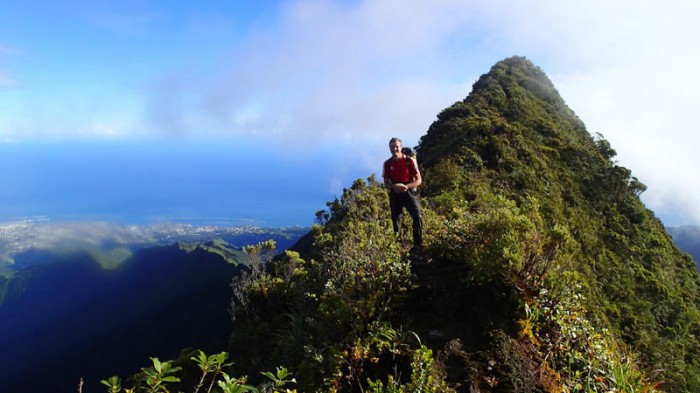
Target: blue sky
{"points": [[328, 78]]}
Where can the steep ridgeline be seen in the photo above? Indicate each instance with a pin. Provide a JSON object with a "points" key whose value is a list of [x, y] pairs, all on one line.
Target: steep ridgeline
{"points": [[514, 137], [543, 269]]}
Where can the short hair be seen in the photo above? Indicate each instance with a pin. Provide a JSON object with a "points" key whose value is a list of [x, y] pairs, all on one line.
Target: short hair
{"points": [[392, 140]]}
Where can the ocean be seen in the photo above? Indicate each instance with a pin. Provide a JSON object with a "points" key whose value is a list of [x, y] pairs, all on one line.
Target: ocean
{"points": [[128, 182]]}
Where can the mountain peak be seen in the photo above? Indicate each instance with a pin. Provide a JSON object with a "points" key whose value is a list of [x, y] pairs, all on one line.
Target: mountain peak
{"points": [[513, 94], [521, 73], [515, 138]]}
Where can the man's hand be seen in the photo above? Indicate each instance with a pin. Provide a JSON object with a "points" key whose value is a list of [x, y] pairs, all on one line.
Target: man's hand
{"points": [[399, 187]]}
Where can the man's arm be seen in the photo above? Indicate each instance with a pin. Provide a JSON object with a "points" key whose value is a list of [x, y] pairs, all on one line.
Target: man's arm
{"points": [[417, 179], [388, 184], [396, 187]]}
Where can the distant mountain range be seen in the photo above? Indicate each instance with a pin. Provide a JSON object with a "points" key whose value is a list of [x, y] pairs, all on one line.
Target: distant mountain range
{"points": [[112, 243], [64, 316]]}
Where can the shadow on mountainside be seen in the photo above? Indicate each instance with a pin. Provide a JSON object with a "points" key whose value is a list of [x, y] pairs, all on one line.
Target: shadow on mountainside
{"points": [[67, 318], [474, 325]]}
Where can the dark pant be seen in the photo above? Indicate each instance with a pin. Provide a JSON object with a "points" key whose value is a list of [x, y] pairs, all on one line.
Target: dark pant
{"points": [[397, 201]]}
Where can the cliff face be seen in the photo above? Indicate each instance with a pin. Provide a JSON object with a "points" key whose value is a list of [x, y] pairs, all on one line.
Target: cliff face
{"points": [[544, 271]]}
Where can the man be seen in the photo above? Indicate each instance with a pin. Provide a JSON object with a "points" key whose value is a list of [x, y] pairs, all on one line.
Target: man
{"points": [[401, 177]]}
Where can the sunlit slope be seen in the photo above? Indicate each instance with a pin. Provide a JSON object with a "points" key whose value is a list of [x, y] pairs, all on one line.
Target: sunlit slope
{"points": [[543, 270]]}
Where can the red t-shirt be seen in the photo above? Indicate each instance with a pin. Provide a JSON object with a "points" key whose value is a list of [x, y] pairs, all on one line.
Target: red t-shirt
{"points": [[400, 171]]}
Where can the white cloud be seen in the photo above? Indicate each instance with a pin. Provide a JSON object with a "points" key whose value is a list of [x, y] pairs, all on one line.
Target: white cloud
{"points": [[330, 70], [628, 69], [630, 74]]}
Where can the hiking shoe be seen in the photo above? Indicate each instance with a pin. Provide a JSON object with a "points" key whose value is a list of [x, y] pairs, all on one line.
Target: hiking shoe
{"points": [[418, 256]]}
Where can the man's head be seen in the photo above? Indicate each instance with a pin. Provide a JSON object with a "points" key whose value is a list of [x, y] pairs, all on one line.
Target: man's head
{"points": [[395, 147]]}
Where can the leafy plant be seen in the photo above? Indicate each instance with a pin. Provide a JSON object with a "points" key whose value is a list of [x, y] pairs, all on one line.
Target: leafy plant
{"points": [[278, 380], [232, 385], [159, 375], [114, 384], [210, 365]]}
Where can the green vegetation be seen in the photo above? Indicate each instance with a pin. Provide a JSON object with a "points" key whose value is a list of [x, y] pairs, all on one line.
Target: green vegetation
{"points": [[532, 147], [546, 272], [162, 376], [226, 251]]}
